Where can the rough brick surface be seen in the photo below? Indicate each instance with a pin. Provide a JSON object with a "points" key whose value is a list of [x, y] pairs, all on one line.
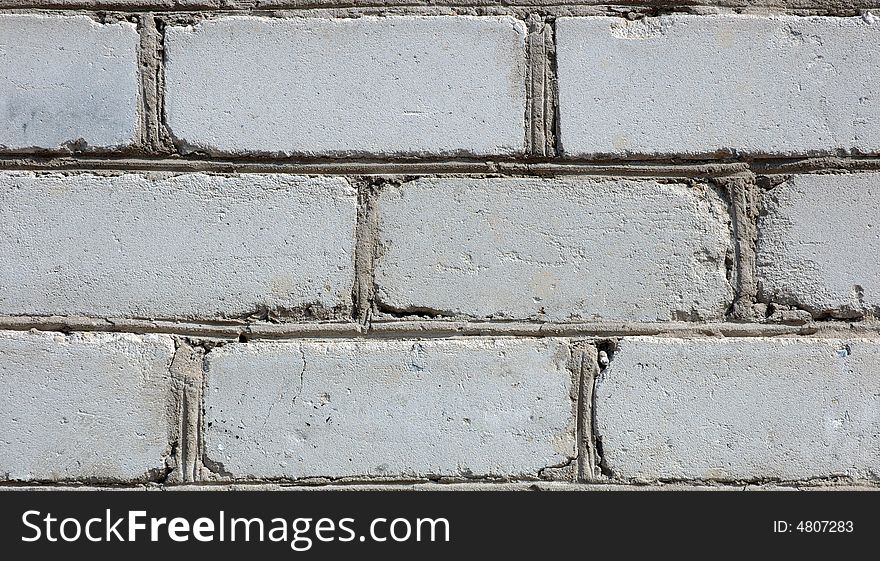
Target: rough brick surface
{"points": [[84, 406], [823, 5], [390, 408], [739, 409], [67, 82], [370, 85], [696, 85], [190, 245], [554, 249], [500, 191], [819, 244]]}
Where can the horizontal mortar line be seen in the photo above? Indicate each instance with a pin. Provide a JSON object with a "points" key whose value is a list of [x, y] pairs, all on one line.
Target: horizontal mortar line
{"points": [[771, 166], [318, 482], [410, 328], [360, 167], [479, 484], [425, 166], [221, 330], [426, 328]]}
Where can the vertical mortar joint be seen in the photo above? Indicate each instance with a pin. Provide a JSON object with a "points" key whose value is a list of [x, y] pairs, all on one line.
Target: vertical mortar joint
{"points": [[154, 137], [744, 199], [366, 250], [604, 356], [584, 365], [187, 369], [541, 100]]}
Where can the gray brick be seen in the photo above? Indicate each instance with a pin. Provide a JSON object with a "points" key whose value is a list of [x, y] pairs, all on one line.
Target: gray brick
{"points": [[741, 409], [570, 249], [369, 85], [704, 85], [823, 5], [84, 406], [819, 244], [67, 82], [189, 246], [466, 407]]}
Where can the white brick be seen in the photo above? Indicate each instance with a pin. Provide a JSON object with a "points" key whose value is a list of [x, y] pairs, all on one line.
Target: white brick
{"points": [[572, 249], [67, 81], [84, 406], [191, 245], [819, 244], [369, 85], [740, 409], [390, 408], [700, 85]]}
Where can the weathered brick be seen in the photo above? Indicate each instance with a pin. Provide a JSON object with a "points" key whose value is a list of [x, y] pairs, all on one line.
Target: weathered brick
{"points": [[369, 85], [819, 244], [823, 5], [569, 249], [466, 407], [194, 245], [740, 409], [701, 85], [84, 406], [67, 82]]}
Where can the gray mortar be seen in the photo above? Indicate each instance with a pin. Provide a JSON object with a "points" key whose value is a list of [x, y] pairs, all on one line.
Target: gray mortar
{"points": [[423, 167], [412, 328], [541, 100], [744, 198], [365, 250], [187, 369], [584, 362], [155, 137]]}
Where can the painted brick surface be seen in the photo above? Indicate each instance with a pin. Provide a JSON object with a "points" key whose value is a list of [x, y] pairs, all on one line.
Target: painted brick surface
{"points": [[84, 406], [369, 85], [701, 85], [67, 83], [473, 407], [559, 250], [209, 5], [819, 244], [741, 409], [468, 241], [191, 245]]}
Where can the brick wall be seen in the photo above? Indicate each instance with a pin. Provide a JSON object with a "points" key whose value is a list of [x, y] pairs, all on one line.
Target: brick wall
{"points": [[396, 242]]}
